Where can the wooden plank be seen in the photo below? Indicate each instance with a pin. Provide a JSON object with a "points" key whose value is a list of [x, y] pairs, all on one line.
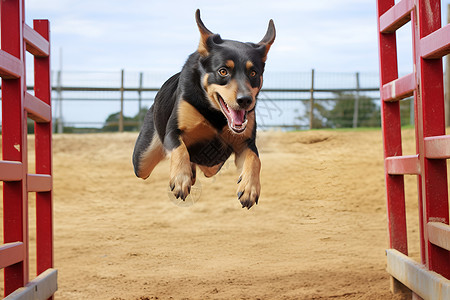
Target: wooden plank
{"points": [[10, 170], [437, 147], [38, 110], [439, 234], [402, 165], [40, 288], [396, 16], [36, 44], [39, 183], [398, 89], [427, 284], [436, 44], [10, 66], [11, 253]]}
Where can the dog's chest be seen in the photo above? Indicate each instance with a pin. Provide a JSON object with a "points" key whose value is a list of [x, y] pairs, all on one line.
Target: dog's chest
{"points": [[206, 146], [210, 153]]}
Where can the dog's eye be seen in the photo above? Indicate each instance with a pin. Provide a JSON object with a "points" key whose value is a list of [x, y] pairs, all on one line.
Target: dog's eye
{"points": [[252, 73], [223, 72]]}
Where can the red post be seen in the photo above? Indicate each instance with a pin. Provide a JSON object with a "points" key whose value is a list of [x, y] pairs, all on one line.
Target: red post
{"points": [[418, 133], [14, 146], [43, 148], [431, 122], [392, 139]]}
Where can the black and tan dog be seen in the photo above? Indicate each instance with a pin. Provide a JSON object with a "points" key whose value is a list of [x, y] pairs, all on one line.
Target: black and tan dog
{"points": [[207, 112]]}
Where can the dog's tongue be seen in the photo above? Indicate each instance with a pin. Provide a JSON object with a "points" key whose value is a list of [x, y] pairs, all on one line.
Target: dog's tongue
{"points": [[238, 116]]}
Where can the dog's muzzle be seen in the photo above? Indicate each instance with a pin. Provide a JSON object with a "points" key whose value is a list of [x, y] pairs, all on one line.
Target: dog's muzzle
{"points": [[237, 118]]}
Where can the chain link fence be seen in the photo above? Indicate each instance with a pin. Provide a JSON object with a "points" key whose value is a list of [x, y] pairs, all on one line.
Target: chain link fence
{"points": [[116, 101]]}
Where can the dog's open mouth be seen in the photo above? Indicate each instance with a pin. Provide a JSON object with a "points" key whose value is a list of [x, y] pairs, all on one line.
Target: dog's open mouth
{"points": [[237, 119]]}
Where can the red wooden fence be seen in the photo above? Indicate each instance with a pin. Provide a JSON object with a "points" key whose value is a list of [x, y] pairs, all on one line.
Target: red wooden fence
{"points": [[430, 278], [17, 106]]}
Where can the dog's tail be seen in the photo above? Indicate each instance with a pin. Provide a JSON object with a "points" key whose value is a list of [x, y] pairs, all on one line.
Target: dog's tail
{"points": [[149, 150]]}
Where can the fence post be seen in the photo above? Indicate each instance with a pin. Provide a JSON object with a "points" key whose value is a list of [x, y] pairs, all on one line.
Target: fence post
{"points": [[121, 102], [356, 108], [311, 102], [60, 99], [140, 118]]}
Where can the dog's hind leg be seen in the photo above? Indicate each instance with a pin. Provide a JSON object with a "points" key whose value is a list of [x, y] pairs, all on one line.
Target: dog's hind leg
{"points": [[149, 150]]}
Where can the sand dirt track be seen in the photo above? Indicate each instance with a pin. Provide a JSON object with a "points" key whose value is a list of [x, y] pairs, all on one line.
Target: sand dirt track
{"points": [[319, 231]]}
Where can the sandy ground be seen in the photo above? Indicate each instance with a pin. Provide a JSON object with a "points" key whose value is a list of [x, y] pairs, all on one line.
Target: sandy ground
{"points": [[319, 231]]}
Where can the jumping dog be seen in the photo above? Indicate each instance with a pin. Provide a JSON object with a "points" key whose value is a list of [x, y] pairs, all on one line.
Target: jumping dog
{"points": [[205, 113]]}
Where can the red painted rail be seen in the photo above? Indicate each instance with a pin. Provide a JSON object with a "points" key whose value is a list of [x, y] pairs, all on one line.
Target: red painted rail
{"points": [[430, 44], [17, 106]]}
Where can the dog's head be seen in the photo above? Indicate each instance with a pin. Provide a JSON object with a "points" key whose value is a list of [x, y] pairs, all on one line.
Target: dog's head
{"points": [[233, 73]]}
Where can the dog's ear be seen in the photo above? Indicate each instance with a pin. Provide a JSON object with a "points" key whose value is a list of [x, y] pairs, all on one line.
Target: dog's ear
{"points": [[267, 41], [207, 38]]}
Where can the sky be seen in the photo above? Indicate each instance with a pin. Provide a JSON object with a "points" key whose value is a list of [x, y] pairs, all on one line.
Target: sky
{"points": [[92, 40], [138, 35]]}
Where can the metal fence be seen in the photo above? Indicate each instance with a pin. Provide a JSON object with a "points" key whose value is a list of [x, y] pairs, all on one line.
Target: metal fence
{"points": [[111, 101]]}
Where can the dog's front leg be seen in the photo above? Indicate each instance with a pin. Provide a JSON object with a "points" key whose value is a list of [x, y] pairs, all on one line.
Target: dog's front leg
{"points": [[249, 186], [181, 177], [181, 170]]}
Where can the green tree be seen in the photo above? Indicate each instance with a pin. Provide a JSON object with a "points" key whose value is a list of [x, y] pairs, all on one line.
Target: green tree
{"points": [[339, 112], [342, 113], [129, 123], [319, 116]]}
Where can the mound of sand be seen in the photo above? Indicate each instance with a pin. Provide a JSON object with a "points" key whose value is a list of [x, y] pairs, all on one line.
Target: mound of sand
{"points": [[319, 231]]}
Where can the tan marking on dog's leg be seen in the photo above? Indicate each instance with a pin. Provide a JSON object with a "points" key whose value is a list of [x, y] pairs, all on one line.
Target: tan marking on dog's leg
{"points": [[249, 186], [210, 171], [188, 116], [194, 126], [151, 157], [180, 172]]}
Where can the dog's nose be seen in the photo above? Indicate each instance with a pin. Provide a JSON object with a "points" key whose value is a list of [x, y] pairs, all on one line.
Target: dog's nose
{"points": [[244, 102]]}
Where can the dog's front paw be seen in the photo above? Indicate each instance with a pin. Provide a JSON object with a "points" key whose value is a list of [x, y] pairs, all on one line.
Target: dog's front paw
{"points": [[248, 190], [180, 185]]}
